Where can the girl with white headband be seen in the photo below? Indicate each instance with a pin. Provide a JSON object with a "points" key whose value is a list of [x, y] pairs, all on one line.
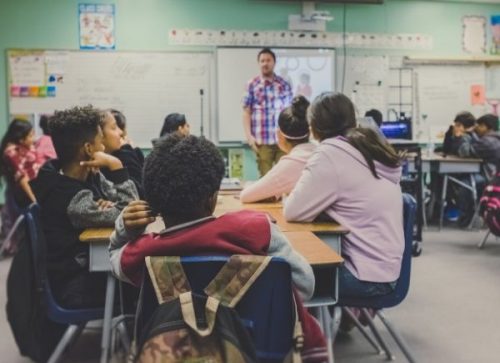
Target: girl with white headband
{"points": [[293, 139]]}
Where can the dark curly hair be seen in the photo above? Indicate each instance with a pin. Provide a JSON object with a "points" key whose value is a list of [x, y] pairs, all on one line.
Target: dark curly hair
{"points": [[181, 174], [72, 128]]}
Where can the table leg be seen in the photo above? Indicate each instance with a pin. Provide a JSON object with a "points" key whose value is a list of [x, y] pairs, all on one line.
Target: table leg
{"points": [[474, 198], [108, 317], [326, 325], [443, 200]]}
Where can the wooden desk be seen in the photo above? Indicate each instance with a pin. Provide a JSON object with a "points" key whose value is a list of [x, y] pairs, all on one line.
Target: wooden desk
{"points": [[315, 251], [227, 203], [449, 164]]}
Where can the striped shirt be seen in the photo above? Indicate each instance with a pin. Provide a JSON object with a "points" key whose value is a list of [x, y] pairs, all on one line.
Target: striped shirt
{"points": [[266, 99]]}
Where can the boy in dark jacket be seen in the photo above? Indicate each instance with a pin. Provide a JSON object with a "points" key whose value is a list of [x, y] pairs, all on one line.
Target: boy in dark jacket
{"points": [[74, 195], [484, 143], [459, 132]]}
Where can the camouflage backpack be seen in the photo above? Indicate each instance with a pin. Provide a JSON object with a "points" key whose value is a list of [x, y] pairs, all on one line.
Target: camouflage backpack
{"points": [[186, 327]]}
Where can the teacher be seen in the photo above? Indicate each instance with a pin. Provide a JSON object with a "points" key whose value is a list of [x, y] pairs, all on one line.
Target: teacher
{"points": [[266, 96]]}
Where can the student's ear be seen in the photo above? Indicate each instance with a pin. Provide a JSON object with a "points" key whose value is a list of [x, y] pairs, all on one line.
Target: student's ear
{"points": [[88, 150], [212, 202]]}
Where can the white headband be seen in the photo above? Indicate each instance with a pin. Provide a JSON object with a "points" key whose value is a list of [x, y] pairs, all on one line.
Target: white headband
{"points": [[294, 137]]}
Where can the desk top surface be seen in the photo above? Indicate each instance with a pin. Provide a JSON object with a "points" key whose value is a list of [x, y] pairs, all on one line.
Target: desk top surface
{"points": [[439, 157], [315, 251]]}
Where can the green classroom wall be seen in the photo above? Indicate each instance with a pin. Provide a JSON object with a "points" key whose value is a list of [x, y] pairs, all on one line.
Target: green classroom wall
{"points": [[144, 25]]}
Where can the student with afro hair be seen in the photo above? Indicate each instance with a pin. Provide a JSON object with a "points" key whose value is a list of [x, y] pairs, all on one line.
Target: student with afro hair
{"points": [[73, 195], [182, 177]]}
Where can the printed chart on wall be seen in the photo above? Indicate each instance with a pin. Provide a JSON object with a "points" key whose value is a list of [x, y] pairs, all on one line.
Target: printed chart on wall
{"points": [[308, 71], [443, 91], [144, 86]]}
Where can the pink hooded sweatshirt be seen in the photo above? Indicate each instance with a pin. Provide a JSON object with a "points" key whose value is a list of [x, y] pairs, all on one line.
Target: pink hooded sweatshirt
{"points": [[281, 178], [338, 181]]}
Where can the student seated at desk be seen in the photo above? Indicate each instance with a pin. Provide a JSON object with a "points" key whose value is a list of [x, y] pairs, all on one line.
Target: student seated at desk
{"points": [[460, 132], [115, 144], [293, 139], [353, 178], [19, 163], [174, 123], [182, 176], [484, 143], [74, 195]]}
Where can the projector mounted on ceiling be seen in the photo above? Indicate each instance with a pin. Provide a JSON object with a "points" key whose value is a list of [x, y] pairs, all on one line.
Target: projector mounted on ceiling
{"points": [[310, 19]]}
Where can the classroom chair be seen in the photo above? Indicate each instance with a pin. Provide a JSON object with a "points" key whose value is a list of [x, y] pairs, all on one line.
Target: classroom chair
{"points": [[485, 239], [267, 309], [8, 242], [75, 319], [397, 296]]}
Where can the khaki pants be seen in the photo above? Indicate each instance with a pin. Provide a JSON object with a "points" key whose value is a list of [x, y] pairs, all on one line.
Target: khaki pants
{"points": [[267, 156]]}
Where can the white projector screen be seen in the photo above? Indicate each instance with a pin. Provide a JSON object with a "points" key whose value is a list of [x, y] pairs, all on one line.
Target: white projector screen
{"points": [[236, 66]]}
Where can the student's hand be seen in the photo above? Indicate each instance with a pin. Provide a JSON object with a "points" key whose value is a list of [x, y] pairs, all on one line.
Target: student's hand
{"points": [[137, 215], [102, 160], [103, 204]]}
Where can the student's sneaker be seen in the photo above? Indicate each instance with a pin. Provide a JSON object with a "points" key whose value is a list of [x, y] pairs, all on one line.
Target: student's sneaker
{"points": [[452, 214]]}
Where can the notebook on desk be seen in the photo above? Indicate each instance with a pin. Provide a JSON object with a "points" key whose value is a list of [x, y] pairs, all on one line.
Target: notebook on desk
{"points": [[231, 184]]}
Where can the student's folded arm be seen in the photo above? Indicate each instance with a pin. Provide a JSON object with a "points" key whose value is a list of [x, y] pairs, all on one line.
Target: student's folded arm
{"points": [[273, 184], [119, 188], [467, 147], [484, 150], [117, 243], [302, 273], [314, 192], [84, 212]]}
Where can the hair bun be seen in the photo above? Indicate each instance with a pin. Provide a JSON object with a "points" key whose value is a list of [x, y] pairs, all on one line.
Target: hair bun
{"points": [[299, 106]]}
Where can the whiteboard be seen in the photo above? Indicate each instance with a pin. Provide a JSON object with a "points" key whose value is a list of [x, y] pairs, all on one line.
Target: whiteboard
{"points": [[366, 81], [442, 92], [237, 66], [145, 86]]}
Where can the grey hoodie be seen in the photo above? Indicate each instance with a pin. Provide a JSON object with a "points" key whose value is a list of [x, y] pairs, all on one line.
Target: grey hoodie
{"points": [[486, 148]]}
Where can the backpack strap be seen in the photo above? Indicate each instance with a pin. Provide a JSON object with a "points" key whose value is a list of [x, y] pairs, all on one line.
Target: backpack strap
{"points": [[235, 278], [187, 308], [168, 277], [298, 336]]}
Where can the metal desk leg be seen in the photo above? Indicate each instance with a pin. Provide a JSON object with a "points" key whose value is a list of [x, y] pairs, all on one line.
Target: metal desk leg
{"points": [[108, 316], [326, 325], [474, 198], [443, 200]]}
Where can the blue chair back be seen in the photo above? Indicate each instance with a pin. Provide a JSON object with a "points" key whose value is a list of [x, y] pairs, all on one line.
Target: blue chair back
{"points": [[37, 242], [266, 309], [403, 283]]}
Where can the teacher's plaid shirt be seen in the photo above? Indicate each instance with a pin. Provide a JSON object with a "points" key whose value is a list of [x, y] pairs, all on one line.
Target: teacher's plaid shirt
{"points": [[266, 99]]}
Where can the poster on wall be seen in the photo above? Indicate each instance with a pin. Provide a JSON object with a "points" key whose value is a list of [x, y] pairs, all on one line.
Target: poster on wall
{"points": [[474, 34], [97, 26]]}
